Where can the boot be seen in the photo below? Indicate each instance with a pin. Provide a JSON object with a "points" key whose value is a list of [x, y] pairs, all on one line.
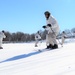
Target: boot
{"points": [[36, 46], [49, 46], [1, 47], [55, 46]]}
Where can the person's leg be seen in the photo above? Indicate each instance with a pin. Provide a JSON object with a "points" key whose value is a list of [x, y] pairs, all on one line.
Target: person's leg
{"points": [[1, 44], [54, 42], [63, 39], [36, 42], [49, 41]]}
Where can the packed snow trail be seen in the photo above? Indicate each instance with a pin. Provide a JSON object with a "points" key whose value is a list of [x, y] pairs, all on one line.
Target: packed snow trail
{"points": [[22, 59]]}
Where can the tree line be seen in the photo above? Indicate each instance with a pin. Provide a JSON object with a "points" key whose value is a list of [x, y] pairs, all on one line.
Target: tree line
{"points": [[18, 37], [25, 37]]}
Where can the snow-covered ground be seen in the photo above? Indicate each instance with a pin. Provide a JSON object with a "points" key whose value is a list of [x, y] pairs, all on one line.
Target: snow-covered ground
{"points": [[24, 59]]}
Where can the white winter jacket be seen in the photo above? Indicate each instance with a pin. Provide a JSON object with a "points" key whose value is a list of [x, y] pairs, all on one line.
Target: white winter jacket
{"points": [[1, 37], [64, 35], [37, 36], [55, 27]]}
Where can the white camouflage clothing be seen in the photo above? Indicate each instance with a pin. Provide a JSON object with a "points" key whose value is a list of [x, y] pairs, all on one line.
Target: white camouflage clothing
{"points": [[37, 38], [53, 31], [63, 37], [54, 25], [2, 35]]}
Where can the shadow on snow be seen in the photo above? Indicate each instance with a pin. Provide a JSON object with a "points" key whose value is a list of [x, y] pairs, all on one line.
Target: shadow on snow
{"points": [[21, 56]]}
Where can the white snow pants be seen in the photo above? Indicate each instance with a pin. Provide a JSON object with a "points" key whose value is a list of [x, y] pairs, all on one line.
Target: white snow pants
{"points": [[63, 39], [51, 39], [0, 42]]}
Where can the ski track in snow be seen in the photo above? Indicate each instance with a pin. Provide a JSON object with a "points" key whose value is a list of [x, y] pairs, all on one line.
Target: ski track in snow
{"points": [[23, 59]]}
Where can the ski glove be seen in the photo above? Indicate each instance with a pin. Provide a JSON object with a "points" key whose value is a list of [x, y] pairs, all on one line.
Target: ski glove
{"points": [[49, 25], [43, 26]]}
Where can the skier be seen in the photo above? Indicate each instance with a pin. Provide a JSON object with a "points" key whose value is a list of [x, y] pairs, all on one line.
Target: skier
{"points": [[53, 29], [63, 37], [37, 38], [2, 35]]}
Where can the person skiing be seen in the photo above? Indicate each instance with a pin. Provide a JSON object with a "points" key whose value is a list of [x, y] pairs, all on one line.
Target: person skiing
{"points": [[52, 28], [2, 35], [63, 37], [37, 38]]}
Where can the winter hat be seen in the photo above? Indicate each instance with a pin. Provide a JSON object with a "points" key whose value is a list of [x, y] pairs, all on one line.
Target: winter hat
{"points": [[3, 31], [47, 12]]}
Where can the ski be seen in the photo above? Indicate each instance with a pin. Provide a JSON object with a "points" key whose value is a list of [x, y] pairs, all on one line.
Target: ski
{"points": [[42, 50]]}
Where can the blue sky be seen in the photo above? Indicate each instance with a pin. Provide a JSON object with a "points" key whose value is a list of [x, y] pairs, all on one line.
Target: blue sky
{"points": [[28, 15]]}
